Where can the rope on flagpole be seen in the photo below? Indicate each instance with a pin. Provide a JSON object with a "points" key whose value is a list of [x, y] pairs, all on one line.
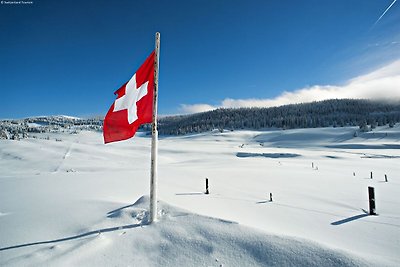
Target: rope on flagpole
{"points": [[154, 139]]}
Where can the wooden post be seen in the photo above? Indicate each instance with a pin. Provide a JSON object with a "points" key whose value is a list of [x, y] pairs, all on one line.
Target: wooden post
{"points": [[207, 192], [371, 196], [154, 139], [386, 178], [270, 197], [371, 175], [312, 165]]}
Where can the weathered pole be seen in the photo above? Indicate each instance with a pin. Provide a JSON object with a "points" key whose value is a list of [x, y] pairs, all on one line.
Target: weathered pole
{"points": [[154, 139]]}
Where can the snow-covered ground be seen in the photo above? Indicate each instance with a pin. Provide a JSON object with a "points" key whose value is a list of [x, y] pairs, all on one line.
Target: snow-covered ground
{"points": [[78, 202]]}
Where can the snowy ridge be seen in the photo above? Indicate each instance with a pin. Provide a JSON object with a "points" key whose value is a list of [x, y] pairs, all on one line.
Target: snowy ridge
{"points": [[178, 237]]}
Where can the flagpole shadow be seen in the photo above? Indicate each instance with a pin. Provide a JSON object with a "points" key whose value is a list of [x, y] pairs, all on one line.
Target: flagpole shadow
{"points": [[90, 233]]}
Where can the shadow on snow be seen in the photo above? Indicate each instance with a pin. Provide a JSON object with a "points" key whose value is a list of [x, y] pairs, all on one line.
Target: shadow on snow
{"points": [[353, 218], [94, 232]]}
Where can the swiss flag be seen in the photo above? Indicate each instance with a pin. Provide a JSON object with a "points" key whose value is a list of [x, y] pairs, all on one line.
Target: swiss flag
{"points": [[133, 106]]}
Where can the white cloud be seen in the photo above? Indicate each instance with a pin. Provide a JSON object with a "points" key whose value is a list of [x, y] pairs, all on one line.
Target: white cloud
{"points": [[381, 84], [196, 108]]}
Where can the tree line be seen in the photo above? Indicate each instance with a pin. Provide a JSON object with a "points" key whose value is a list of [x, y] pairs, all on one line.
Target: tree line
{"points": [[366, 114]]}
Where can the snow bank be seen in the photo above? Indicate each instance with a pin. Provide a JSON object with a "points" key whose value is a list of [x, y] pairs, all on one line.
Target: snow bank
{"points": [[124, 238]]}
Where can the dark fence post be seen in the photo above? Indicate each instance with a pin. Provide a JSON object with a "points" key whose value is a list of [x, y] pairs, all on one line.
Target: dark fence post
{"points": [[207, 192], [386, 178], [371, 196], [270, 197], [371, 175]]}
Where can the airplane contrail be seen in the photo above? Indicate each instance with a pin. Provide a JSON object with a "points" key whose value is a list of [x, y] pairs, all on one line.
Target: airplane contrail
{"points": [[383, 14]]}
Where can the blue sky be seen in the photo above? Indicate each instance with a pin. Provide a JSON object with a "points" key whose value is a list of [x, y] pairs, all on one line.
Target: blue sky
{"points": [[68, 57]]}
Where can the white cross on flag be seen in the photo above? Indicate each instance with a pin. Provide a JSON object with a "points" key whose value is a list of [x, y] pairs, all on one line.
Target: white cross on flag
{"points": [[133, 106]]}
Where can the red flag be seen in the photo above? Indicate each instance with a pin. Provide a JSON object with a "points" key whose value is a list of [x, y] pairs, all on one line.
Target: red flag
{"points": [[133, 106]]}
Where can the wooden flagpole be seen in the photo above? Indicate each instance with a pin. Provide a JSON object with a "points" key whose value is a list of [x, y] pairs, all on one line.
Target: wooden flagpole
{"points": [[154, 139]]}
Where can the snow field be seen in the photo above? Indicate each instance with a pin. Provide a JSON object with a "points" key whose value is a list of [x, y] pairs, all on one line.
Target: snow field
{"points": [[52, 190]]}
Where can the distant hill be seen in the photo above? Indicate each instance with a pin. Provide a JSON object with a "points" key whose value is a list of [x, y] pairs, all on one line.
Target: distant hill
{"points": [[28, 127], [366, 114], [336, 112]]}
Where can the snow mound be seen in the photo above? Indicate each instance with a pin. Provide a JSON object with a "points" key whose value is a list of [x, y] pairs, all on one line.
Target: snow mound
{"points": [[124, 237]]}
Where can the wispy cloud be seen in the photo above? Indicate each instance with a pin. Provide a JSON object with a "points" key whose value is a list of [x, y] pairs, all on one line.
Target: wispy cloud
{"points": [[381, 84], [383, 14]]}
